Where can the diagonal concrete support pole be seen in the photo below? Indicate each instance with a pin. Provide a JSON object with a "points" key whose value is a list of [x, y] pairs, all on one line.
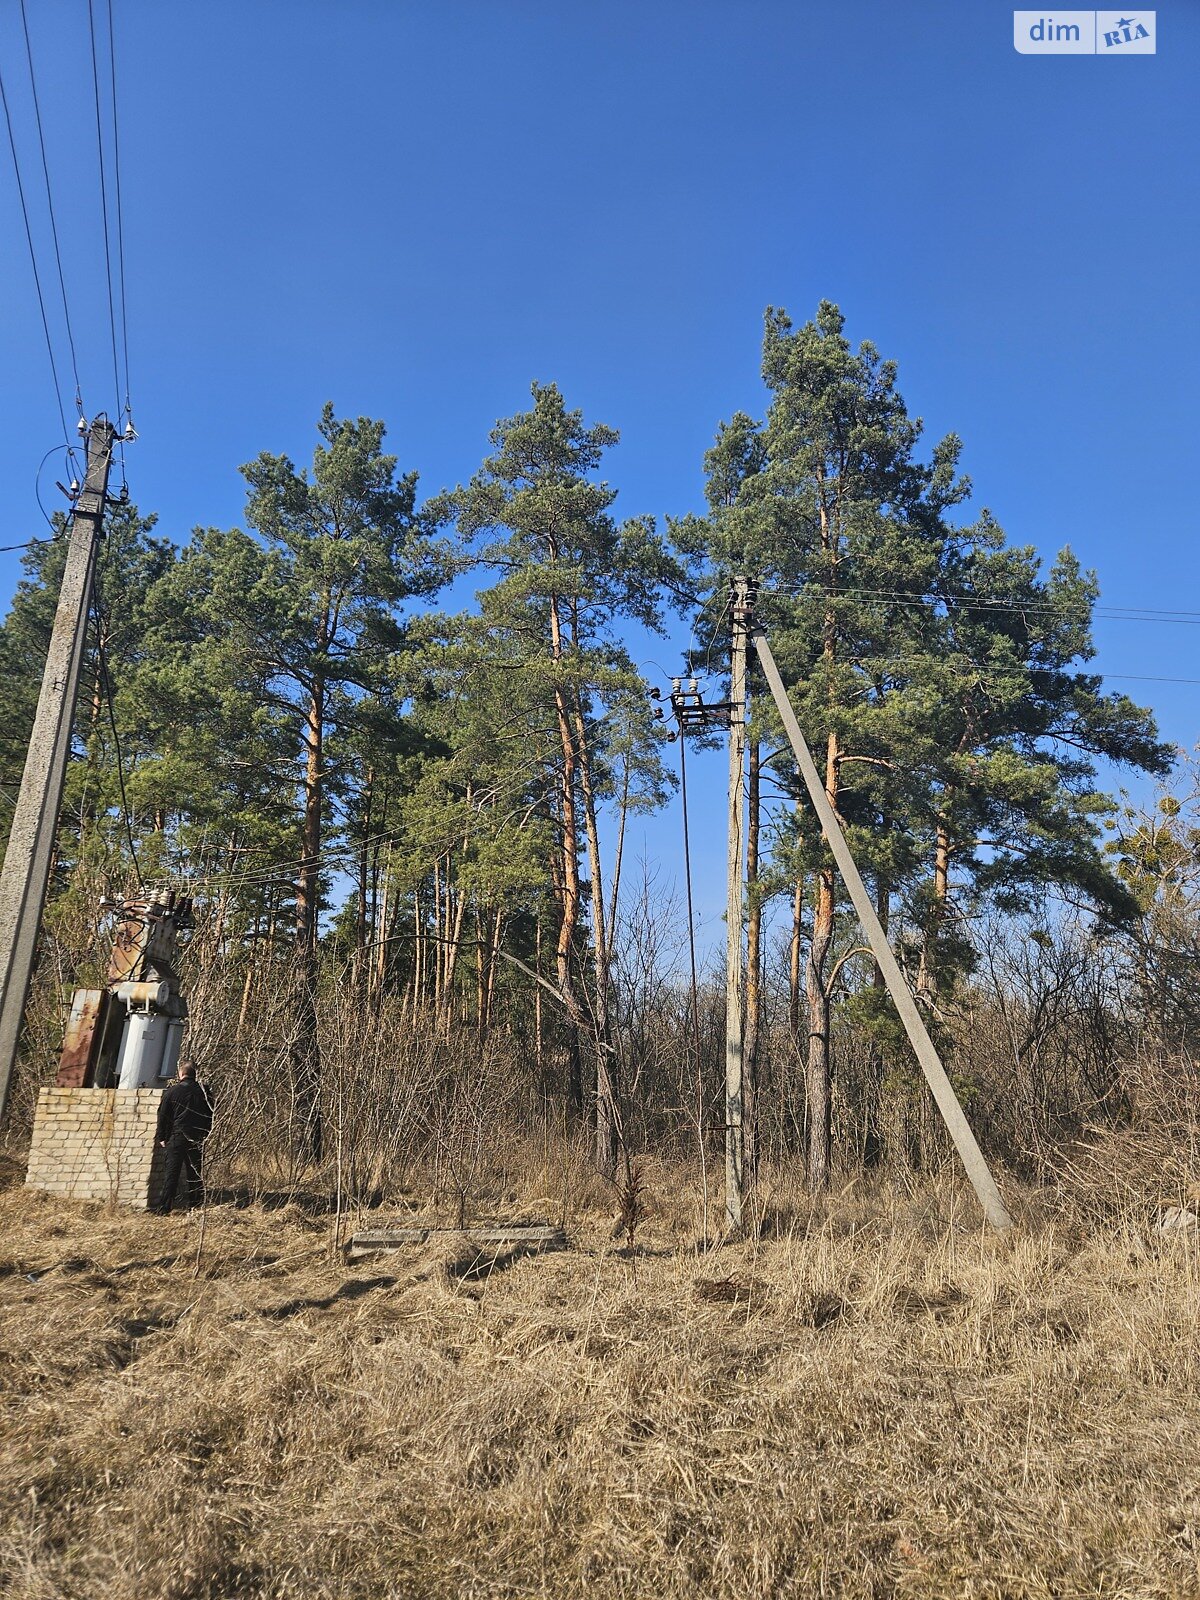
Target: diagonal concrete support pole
{"points": [[902, 997]]}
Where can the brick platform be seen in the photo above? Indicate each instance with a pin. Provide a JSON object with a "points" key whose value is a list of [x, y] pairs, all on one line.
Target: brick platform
{"points": [[96, 1144]]}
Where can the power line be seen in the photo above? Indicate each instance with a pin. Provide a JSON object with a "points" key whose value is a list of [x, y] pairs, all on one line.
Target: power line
{"points": [[1139, 677], [898, 664], [112, 61], [37, 494], [112, 317], [974, 603], [283, 872], [62, 284], [28, 543], [106, 681], [12, 144]]}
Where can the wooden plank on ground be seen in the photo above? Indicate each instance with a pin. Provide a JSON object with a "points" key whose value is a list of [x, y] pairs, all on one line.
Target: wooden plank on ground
{"points": [[531, 1237]]}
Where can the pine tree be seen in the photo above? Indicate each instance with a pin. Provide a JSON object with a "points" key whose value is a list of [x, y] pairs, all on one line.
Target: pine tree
{"points": [[1016, 724], [341, 548], [954, 730], [303, 612], [571, 577]]}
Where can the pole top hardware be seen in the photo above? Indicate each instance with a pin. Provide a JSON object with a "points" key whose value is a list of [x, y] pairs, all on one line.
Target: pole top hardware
{"points": [[690, 710], [743, 592]]}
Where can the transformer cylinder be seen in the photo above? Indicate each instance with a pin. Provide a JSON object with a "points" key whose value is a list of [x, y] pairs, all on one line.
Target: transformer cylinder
{"points": [[143, 1050]]}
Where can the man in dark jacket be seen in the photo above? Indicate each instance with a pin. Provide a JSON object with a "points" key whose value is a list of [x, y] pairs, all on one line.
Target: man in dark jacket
{"points": [[185, 1118]]}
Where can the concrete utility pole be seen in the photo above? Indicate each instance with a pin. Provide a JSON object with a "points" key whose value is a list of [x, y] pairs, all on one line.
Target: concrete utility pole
{"points": [[902, 997], [27, 861], [735, 1133]]}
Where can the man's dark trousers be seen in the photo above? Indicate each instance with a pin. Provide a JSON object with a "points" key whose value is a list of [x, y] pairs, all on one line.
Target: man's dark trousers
{"points": [[181, 1160]]}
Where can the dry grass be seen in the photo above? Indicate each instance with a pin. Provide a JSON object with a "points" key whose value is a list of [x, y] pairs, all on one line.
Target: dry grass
{"points": [[883, 1401]]}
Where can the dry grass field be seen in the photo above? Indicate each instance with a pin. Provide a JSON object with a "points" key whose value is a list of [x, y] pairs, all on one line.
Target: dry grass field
{"points": [[876, 1399]]}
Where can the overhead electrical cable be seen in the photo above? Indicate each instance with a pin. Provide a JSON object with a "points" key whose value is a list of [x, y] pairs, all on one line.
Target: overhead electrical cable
{"points": [[1141, 677], [37, 279], [28, 544], [975, 603], [106, 682], [283, 873], [112, 315], [37, 494], [797, 591], [127, 429], [112, 61], [62, 282]]}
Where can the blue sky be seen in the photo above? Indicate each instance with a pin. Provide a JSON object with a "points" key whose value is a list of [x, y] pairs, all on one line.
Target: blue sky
{"points": [[416, 209]]}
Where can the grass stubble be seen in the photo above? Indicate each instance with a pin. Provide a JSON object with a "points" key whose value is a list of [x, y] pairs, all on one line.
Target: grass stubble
{"points": [[878, 1399]]}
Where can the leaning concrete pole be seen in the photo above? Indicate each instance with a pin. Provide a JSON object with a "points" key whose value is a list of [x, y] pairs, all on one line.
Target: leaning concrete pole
{"points": [[27, 861], [902, 997]]}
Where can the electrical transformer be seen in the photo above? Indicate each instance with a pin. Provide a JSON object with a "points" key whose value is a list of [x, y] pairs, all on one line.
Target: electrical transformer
{"points": [[129, 1035]]}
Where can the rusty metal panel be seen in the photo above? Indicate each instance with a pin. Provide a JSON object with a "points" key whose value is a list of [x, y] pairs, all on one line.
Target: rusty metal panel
{"points": [[129, 943], [82, 1036]]}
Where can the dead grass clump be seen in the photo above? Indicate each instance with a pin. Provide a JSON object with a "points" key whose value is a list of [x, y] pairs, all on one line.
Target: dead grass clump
{"points": [[1123, 1177], [942, 1301], [729, 1291]]}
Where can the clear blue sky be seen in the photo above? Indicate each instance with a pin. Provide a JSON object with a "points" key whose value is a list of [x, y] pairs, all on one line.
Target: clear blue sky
{"points": [[415, 209]]}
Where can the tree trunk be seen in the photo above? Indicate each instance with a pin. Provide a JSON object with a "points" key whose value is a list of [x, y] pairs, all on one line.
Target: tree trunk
{"points": [[608, 1123], [873, 1138], [480, 972], [569, 882], [362, 920], [753, 968], [538, 1047], [248, 985], [567, 878], [307, 890], [306, 1066], [439, 952], [819, 1078], [493, 962], [382, 931], [453, 945], [795, 965], [422, 968], [618, 857], [927, 969], [820, 1066]]}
